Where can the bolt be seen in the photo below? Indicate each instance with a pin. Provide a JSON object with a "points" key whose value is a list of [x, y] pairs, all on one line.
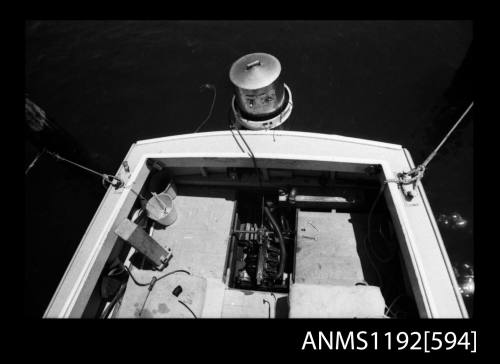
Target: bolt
{"points": [[126, 167]]}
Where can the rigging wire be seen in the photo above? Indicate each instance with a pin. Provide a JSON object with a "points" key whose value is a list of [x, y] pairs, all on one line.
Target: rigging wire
{"points": [[32, 164], [106, 178], [434, 152], [417, 173]]}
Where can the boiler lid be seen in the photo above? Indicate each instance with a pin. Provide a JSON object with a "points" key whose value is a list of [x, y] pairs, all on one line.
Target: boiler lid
{"points": [[254, 71]]}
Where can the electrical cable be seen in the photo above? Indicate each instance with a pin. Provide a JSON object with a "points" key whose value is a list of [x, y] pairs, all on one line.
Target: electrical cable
{"points": [[133, 278], [182, 303], [113, 302], [210, 87], [151, 285], [388, 309], [370, 213], [379, 277], [367, 237], [251, 155], [155, 279], [172, 272]]}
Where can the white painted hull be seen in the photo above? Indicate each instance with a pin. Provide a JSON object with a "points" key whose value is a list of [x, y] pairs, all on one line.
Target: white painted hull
{"points": [[431, 275]]}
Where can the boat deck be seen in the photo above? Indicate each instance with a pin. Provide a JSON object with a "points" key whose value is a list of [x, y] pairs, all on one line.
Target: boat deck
{"points": [[430, 272], [327, 249], [327, 260], [199, 240]]}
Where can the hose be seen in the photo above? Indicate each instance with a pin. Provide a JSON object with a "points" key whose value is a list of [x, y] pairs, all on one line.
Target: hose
{"points": [[282, 242]]}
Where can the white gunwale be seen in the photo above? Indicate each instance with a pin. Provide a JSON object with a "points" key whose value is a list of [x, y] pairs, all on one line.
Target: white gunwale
{"points": [[436, 297], [439, 238]]}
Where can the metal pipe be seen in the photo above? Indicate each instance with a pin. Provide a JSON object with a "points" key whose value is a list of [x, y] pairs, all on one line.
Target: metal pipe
{"points": [[282, 242]]}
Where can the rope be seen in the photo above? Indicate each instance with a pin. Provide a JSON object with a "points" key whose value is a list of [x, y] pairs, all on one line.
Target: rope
{"points": [[106, 178], [210, 87]]}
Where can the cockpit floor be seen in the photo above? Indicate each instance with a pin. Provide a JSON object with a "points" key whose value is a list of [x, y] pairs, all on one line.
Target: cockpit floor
{"points": [[199, 241]]}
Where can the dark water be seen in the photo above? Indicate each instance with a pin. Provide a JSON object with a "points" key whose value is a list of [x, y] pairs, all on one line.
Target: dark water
{"points": [[110, 83]]}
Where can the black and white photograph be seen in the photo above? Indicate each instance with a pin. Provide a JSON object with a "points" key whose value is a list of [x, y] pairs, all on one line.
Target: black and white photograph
{"points": [[250, 169]]}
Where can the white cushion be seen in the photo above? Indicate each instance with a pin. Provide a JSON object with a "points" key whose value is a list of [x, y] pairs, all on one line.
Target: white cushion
{"points": [[326, 301]]}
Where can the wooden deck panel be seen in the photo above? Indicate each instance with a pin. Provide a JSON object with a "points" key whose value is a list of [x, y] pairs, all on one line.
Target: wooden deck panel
{"points": [[200, 236], [199, 240], [326, 249], [161, 303]]}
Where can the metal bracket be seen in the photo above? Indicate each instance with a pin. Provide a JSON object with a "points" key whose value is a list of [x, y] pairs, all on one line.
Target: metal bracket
{"points": [[408, 181], [145, 244], [165, 259], [114, 181], [409, 191]]}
